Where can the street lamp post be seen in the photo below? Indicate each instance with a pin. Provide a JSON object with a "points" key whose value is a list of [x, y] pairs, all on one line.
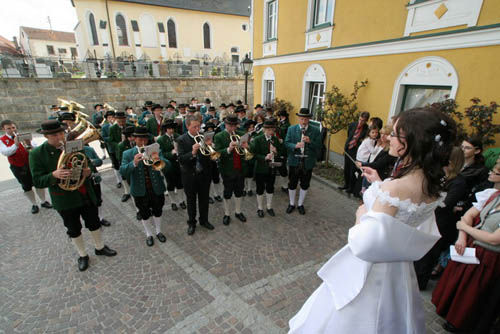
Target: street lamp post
{"points": [[246, 67]]}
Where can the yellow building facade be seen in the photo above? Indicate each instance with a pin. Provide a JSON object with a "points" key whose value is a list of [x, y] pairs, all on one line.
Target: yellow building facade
{"points": [[411, 53], [168, 30]]}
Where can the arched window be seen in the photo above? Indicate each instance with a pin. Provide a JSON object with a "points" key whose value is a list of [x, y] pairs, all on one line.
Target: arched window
{"points": [[206, 36], [121, 30], [172, 37], [93, 30], [148, 31]]}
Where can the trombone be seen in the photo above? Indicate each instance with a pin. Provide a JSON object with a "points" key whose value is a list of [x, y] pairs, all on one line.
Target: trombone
{"points": [[206, 149], [239, 149]]}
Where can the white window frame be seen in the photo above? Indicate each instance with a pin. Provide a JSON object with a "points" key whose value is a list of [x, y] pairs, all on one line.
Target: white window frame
{"points": [[328, 16], [426, 71], [268, 75], [89, 29], [266, 21], [176, 32], [270, 46], [314, 73], [318, 36], [129, 36], [320, 98], [211, 36]]}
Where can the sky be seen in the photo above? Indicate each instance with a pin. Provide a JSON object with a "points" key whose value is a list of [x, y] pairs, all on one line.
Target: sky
{"points": [[34, 13]]}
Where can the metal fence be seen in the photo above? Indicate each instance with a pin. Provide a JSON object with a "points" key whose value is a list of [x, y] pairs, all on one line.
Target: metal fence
{"points": [[107, 68]]}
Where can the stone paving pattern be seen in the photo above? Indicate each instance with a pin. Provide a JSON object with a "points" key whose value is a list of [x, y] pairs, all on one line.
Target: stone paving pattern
{"points": [[243, 278]]}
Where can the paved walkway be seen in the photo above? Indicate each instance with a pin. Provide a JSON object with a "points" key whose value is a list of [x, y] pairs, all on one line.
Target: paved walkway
{"points": [[242, 278]]}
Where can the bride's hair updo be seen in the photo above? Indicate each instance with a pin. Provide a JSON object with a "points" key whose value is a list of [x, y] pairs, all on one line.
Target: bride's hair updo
{"points": [[430, 136]]}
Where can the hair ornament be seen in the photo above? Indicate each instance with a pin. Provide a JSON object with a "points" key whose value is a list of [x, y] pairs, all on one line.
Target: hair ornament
{"points": [[443, 123], [438, 140]]}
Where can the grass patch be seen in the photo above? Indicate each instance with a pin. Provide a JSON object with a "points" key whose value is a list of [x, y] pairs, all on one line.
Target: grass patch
{"points": [[333, 172]]}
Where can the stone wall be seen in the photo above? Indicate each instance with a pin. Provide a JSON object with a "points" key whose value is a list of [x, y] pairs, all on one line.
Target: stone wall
{"points": [[26, 100]]}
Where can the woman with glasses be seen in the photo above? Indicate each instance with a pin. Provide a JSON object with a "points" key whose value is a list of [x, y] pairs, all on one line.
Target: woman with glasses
{"points": [[369, 286], [463, 294]]}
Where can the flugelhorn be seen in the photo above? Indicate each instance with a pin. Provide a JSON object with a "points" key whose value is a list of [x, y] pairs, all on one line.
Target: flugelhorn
{"points": [[205, 149], [155, 162], [239, 149]]}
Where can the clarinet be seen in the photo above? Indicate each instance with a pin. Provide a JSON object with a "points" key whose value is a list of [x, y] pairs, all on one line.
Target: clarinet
{"points": [[303, 150]]}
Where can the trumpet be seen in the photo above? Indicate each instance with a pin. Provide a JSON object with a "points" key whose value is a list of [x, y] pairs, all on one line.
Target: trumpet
{"points": [[108, 107], [23, 137], [239, 149], [206, 149], [156, 163]]}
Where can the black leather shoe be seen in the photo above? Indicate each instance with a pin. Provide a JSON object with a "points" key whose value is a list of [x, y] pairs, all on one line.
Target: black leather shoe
{"points": [[218, 198], [83, 263], [46, 205], [161, 237], [290, 208], [271, 212], [34, 209], [150, 241], [260, 213], [106, 251], [211, 200], [250, 193], [226, 220], [119, 185], [207, 225], [105, 222], [343, 188], [138, 216], [285, 190], [191, 229], [125, 197], [241, 217], [174, 207], [301, 209], [244, 193], [183, 205]]}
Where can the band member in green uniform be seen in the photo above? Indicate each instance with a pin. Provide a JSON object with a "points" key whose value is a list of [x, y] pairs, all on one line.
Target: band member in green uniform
{"points": [[232, 168], [303, 143], [146, 185], [249, 128], [265, 148], [127, 143], [71, 205], [173, 176], [215, 186], [154, 123], [283, 125], [115, 138]]}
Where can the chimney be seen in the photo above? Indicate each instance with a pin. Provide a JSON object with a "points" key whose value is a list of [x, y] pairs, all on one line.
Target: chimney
{"points": [[14, 39]]}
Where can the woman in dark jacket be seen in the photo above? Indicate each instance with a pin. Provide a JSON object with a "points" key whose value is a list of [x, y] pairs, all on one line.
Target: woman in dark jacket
{"points": [[474, 170]]}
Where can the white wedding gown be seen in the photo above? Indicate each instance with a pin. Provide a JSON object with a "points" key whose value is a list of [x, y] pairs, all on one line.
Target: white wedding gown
{"points": [[369, 286]]}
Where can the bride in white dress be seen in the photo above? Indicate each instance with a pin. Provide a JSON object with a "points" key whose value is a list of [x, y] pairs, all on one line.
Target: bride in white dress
{"points": [[369, 286]]}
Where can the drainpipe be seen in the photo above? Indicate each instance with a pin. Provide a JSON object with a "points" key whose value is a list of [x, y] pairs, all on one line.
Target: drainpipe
{"points": [[110, 32]]}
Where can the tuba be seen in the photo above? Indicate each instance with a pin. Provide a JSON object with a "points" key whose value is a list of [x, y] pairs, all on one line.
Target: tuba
{"points": [[205, 149], [76, 161], [240, 150]]}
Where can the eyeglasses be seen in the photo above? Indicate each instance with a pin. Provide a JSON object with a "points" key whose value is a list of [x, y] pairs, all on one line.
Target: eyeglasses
{"points": [[395, 135], [467, 147]]}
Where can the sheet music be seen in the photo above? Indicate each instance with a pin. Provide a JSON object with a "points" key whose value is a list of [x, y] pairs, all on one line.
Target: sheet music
{"points": [[150, 149], [73, 146], [468, 257], [244, 138], [209, 135]]}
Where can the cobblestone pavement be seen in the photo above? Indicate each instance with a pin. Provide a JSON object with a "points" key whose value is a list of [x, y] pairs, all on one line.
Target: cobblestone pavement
{"points": [[243, 278]]}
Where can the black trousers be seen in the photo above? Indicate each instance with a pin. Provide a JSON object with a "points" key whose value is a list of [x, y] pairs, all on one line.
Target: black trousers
{"points": [[350, 169], [23, 176], [283, 171], [297, 175], [71, 219], [265, 182], [174, 179], [233, 184], [196, 187], [150, 205], [215, 173], [98, 192], [114, 161]]}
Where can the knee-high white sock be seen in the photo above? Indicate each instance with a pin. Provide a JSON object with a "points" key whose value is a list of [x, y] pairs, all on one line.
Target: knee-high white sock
{"points": [[41, 194], [237, 204], [302, 196], [126, 188], [118, 176], [226, 207], [99, 211], [31, 196], [80, 247], [269, 200], [97, 236], [157, 222], [173, 197], [183, 196], [260, 200], [214, 190], [146, 224], [248, 184], [291, 194], [284, 181]]}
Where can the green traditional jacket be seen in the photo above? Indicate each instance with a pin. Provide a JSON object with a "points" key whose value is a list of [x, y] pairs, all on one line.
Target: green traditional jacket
{"points": [[137, 177], [312, 149], [122, 147], [260, 148], [115, 138], [167, 145], [43, 161], [152, 126], [221, 142]]}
